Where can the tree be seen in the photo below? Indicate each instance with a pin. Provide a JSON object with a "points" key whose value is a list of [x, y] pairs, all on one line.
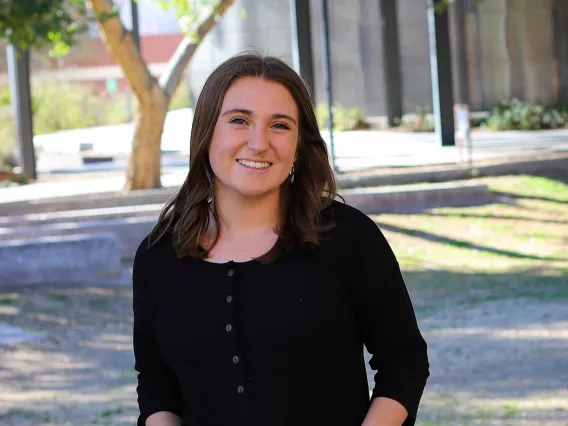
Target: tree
{"points": [[37, 23]]}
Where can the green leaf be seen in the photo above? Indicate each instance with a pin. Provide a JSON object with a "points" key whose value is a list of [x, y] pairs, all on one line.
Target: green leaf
{"points": [[38, 23]]}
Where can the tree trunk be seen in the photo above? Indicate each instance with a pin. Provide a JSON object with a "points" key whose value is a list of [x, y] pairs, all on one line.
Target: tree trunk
{"points": [[144, 164], [153, 97]]}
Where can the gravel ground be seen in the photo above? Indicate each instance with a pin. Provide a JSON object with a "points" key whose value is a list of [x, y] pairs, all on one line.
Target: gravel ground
{"points": [[498, 363], [501, 362]]}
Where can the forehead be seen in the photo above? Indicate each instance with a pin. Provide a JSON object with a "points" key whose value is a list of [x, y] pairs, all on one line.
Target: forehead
{"points": [[260, 96]]}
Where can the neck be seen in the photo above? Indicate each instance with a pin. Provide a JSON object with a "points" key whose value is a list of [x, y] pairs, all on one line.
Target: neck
{"points": [[239, 214]]}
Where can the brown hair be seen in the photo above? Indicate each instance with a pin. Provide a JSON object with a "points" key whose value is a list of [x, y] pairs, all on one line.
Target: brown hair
{"points": [[188, 215]]}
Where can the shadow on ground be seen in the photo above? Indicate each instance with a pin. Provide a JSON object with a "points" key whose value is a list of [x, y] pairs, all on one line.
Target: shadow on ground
{"points": [[488, 335]]}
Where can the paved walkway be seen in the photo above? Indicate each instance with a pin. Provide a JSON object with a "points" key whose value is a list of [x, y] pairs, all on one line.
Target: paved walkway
{"points": [[354, 151]]}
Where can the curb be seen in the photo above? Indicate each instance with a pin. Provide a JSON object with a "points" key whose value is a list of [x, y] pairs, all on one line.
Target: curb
{"points": [[351, 181], [414, 197], [455, 173], [129, 225]]}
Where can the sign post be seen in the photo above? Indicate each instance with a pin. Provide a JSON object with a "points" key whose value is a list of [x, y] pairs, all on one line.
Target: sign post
{"points": [[463, 133]]}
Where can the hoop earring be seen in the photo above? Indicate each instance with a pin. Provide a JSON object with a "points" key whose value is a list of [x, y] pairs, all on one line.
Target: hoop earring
{"points": [[292, 174]]}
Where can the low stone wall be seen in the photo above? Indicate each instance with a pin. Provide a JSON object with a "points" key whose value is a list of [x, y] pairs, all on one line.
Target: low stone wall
{"points": [[59, 259]]}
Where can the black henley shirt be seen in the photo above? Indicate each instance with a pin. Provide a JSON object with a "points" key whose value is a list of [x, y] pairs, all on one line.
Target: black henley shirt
{"points": [[279, 344]]}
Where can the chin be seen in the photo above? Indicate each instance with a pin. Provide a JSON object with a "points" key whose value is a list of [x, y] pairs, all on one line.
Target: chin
{"points": [[256, 192]]}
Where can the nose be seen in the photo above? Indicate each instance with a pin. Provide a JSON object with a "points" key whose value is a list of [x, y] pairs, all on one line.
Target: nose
{"points": [[258, 140]]}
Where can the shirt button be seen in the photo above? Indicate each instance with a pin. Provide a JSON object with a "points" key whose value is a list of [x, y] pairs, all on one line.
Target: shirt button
{"points": [[240, 389], [236, 359], [229, 298], [228, 327], [231, 272]]}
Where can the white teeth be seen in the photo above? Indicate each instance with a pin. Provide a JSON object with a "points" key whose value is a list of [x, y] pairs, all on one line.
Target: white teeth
{"points": [[254, 164]]}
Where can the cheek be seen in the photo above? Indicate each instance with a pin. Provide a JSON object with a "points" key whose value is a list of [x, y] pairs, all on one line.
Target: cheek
{"points": [[286, 150], [221, 150]]}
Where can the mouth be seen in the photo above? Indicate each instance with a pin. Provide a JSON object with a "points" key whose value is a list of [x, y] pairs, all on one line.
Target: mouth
{"points": [[257, 165]]}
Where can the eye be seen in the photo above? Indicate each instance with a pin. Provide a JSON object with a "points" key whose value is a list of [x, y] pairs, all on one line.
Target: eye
{"points": [[282, 126], [239, 121]]}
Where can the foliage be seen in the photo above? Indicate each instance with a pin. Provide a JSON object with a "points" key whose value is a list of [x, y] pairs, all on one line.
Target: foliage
{"points": [[7, 139], [181, 97], [36, 24], [39, 23], [517, 115], [343, 118], [189, 13], [60, 106], [423, 121]]}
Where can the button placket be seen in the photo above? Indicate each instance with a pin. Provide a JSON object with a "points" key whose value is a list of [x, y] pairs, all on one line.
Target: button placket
{"points": [[229, 298], [235, 358]]}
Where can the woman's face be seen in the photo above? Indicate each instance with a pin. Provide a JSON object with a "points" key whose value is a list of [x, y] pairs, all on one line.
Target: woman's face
{"points": [[255, 138]]}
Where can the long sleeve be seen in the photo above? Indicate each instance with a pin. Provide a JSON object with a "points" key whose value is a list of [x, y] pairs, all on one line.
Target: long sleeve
{"points": [[158, 388], [388, 322]]}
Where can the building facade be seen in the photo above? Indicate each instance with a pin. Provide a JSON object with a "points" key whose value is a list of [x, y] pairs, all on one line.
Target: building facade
{"points": [[512, 48], [507, 48]]}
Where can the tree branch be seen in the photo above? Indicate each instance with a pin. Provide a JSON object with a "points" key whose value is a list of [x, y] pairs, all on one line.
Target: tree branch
{"points": [[173, 73], [120, 43]]}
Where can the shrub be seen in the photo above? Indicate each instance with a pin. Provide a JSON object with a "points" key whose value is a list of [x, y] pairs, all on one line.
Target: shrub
{"points": [[62, 106], [423, 120], [343, 118], [59, 106], [7, 138], [181, 98], [518, 115]]}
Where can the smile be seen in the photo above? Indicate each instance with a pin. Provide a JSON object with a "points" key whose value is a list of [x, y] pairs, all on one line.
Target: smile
{"points": [[255, 164]]}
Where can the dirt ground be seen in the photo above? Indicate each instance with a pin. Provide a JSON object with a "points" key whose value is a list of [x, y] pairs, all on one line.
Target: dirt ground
{"points": [[502, 362], [489, 285]]}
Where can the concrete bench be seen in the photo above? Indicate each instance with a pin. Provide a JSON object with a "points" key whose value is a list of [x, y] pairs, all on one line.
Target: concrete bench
{"points": [[61, 259], [81, 215], [130, 231], [415, 197], [91, 201]]}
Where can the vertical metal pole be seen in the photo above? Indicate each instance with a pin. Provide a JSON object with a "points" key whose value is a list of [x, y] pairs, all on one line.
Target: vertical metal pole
{"points": [[327, 78], [441, 73], [302, 54], [391, 58], [19, 75], [136, 36], [135, 24]]}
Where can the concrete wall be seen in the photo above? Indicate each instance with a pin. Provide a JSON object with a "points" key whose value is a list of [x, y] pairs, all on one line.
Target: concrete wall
{"points": [[345, 51], [267, 28], [515, 51], [248, 25], [372, 58], [504, 58], [560, 37]]}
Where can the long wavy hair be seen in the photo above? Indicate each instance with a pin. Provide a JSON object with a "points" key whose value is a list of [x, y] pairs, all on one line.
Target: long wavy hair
{"points": [[189, 214]]}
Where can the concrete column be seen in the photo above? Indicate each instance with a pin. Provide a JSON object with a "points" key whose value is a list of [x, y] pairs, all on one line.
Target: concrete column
{"points": [[441, 73]]}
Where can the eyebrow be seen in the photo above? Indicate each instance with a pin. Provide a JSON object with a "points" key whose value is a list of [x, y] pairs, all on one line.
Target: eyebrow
{"points": [[249, 113]]}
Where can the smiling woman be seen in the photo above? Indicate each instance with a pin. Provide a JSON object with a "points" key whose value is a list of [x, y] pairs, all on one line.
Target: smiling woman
{"points": [[254, 144], [256, 293]]}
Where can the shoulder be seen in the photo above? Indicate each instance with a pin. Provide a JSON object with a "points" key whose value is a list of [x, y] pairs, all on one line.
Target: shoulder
{"points": [[353, 229], [148, 255], [350, 219]]}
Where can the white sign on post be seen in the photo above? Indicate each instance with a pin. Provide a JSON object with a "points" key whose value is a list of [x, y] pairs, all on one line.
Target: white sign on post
{"points": [[463, 126]]}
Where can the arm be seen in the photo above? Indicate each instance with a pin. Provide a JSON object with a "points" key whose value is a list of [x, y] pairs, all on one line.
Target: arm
{"points": [[385, 412], [163, 418], [159, 394], [390, 332]]}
